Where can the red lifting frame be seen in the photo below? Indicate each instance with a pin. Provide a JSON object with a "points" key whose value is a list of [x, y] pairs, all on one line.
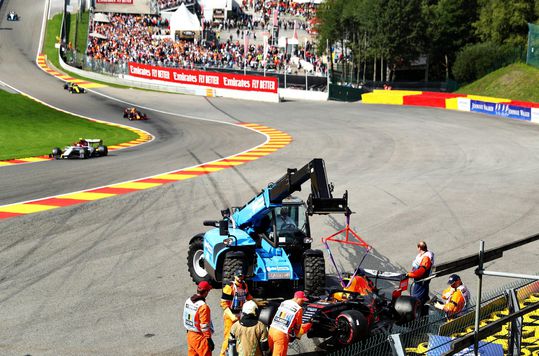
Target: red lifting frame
{"points": [[347, 231]]}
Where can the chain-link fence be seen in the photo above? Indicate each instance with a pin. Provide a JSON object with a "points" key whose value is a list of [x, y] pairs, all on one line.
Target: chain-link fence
{"points": [[433, 334], [532, 57]]}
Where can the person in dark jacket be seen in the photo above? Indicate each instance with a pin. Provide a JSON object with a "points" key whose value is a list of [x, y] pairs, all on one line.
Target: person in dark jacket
{"points": [[249, 336]]}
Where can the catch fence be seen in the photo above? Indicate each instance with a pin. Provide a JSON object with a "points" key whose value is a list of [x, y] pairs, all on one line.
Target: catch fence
{"points": [[532, 57], [434, 334], [304, 81]]}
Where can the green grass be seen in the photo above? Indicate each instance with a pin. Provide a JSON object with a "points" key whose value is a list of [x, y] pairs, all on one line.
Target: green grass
{"points": [[71, 29], [52, 36], [517, 82], [82, 32], [77, 30], [31, 129]]}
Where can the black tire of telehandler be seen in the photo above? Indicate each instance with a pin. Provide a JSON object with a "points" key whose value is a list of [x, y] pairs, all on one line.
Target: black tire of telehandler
{"points": [[231, 264], [196, 247], [315, 275]]}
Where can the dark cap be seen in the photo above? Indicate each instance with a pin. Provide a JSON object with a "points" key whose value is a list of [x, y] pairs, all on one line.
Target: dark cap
{"points": [[453, 278]]}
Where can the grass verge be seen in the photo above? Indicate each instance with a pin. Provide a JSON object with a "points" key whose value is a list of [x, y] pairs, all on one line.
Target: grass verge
{"points": [[82, 32], [517, 82], [32, 129], [52, 36]]}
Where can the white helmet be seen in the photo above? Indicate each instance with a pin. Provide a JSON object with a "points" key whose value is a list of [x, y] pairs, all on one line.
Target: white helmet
{"points": [[249, 307]]}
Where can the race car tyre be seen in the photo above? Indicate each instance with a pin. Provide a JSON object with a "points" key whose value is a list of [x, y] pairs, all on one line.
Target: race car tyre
{"points": [[408, 308], [102, 151], [268, 312], [195, 260], [351, 326], [56, 152], [86, 154], [233, 262], [315, 272]]}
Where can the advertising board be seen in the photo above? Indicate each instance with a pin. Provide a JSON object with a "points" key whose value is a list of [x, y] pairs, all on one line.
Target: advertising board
{"points": [[501, 109], [535, 115], [207, 79], [463, 104], [125, 6]]}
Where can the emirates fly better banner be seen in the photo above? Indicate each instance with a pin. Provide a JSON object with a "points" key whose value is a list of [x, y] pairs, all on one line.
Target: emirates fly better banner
{"points": [[207, 79]]}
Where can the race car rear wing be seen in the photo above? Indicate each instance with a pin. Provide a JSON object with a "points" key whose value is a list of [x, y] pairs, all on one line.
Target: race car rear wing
{"points": [[387, 276]]}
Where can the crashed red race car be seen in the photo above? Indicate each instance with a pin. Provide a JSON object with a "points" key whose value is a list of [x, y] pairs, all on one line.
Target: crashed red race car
{"points": [[347, 317], [134, 114]]}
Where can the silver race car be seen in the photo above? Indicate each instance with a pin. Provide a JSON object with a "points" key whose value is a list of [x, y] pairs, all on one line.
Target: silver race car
{"points": [[84, 148], [12, 16]]}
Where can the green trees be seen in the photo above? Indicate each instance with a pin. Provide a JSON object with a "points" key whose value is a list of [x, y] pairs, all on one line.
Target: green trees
{"points": [[502, 21], [449, 29], [385, 35], [477, 60]]}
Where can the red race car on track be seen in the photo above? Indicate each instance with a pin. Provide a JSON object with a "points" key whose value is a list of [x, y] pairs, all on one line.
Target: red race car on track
{"points": [[134, 114]]}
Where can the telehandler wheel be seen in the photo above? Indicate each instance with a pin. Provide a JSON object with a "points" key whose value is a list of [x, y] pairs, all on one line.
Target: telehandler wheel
{"points": [[315, 274], [195, 260], [231, 264]]}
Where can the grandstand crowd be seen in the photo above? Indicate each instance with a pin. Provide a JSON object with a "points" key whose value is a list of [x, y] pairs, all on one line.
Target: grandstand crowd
{"points": [[146, 39]]}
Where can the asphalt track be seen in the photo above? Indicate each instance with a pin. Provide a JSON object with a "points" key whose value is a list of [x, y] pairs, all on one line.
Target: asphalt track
{"points": [[110, 278]]}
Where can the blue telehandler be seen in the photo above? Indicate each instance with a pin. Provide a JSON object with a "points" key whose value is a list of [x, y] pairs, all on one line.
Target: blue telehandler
{"points": [[269, 239]]}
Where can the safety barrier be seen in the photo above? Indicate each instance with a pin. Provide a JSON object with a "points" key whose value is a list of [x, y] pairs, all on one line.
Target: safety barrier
{"points": [[512, 109], [290, 87], [433, 335]]}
